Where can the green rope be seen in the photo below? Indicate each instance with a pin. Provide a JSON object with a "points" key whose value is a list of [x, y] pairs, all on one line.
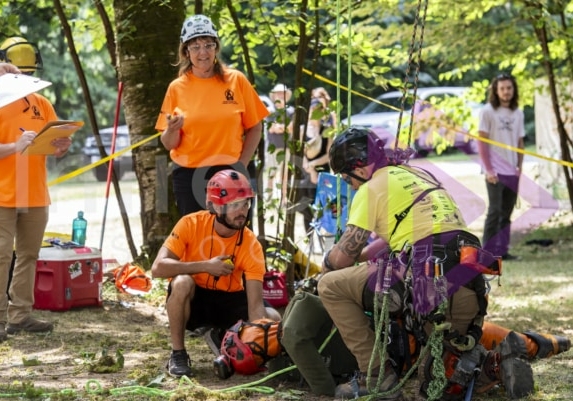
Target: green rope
{"points": [[338, 123], [185, 384], [381, 321], [439, 380], [434, 344]]}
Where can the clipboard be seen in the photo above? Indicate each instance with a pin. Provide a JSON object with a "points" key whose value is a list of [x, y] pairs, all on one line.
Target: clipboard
{"points": [[41, 145], [17, 86]]}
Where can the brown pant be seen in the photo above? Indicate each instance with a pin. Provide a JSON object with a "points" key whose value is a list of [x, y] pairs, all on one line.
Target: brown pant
{"points": [[341, 294], [21, 230]]}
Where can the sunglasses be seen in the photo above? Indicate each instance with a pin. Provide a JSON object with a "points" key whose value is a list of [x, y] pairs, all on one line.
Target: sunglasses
{"points": [[207, 46], [504, 76], [242, 204]]}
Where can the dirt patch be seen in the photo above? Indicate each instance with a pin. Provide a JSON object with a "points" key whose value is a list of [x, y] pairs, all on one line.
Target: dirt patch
{"points": [[67, 360]]}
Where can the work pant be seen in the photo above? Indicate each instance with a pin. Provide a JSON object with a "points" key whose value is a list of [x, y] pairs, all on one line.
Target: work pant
{"points": [[341, 293], [22, 231], [497, 229], [306, 326]]}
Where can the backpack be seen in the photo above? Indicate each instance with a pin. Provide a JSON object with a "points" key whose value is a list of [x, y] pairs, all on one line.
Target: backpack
{"points": [[261, 336], [275, 290]]}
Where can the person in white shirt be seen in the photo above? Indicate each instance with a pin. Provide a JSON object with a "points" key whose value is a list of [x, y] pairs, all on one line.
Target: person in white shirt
{"points": [[501, 121]]}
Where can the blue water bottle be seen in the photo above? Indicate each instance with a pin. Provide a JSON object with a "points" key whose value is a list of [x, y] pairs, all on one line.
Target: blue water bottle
{"points": [[79, 227]]}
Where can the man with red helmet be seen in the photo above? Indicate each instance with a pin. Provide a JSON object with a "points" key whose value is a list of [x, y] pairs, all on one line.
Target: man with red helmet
{"points": [[206, 257]]}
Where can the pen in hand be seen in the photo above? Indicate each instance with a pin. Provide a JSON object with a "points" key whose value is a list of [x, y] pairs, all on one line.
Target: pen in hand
{"points": [[25, 140]]}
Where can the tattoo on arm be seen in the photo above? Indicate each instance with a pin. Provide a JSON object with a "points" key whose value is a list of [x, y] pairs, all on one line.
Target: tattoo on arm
{"points": [[352, 241]]}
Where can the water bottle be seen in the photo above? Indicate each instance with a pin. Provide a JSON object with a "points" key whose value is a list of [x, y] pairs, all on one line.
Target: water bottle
{"points": [[79, 227]]}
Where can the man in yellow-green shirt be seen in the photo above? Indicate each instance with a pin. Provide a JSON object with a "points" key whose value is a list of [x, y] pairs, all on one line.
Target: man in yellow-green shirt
{"points": [[418, 227]]}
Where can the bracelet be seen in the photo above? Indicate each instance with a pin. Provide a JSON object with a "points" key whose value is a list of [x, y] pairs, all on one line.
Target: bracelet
{"points": [[326, 263]]}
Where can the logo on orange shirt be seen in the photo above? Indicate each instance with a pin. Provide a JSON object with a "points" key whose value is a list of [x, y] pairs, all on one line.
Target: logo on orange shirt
{"points": [[230, 96]]}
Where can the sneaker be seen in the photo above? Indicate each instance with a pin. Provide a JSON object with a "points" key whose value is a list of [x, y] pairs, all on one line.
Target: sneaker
{"points": [[515, 372], [30, 325], [3, 335], [179, 364], [356, 387], [214, 338]]}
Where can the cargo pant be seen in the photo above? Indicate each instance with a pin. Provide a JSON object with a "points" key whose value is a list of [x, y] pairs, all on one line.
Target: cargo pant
{"points": [[21, 230], [341, 293], [306, 328]]}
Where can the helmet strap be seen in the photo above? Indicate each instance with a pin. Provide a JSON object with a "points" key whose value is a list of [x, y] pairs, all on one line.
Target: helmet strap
{"points": [[221, 218], [362, 180]]}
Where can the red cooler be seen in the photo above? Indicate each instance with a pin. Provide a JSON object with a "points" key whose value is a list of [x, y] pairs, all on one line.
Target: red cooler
{"points": [[68, 278]]}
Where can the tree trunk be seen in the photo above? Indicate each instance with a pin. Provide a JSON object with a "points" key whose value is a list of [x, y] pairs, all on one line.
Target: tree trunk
{"points": [[147, 39], [564, 139]]}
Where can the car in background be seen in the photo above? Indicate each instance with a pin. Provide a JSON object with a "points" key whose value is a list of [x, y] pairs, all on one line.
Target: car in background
{"points": [[431, 125], [121, 164]]}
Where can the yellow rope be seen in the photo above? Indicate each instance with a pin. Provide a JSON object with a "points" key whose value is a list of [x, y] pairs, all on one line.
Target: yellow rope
{"points": [[83, 169], [476, 137]]}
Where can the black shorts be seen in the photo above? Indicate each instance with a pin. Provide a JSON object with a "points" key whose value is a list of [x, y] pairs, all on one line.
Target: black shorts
{"points": [[213, 308], [189, 185]]}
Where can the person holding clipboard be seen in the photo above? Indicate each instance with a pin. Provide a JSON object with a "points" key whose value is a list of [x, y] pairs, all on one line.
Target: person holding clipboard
{"points": [[24, 199]]}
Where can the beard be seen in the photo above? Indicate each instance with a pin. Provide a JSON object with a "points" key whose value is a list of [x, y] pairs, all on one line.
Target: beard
{"points": [[237, 223]]}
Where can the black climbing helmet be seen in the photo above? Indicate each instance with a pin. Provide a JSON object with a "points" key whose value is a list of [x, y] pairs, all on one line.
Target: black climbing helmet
{"points": [[356, 147]]}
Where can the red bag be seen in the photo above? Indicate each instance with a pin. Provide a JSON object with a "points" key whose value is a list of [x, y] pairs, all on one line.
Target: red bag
{"points": [[275, 291]]}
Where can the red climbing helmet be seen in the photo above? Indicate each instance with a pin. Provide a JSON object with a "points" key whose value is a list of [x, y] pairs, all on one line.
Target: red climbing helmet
{"points": [[228, 186], [241, 356]]}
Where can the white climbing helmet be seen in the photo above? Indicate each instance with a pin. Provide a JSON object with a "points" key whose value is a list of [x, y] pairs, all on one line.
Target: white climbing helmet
{"points": [[197, 25]]}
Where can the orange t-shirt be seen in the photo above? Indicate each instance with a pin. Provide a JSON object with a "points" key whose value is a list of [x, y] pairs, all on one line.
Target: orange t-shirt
{"points": [[216, 117], [194, 239], [23, 178]]}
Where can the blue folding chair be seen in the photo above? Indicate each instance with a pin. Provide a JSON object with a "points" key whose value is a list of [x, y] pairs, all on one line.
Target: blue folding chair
{"points": [[327, 208]]}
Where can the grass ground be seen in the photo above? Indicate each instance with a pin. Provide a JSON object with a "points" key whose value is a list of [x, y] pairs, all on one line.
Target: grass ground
{"points": [[534, 295]]}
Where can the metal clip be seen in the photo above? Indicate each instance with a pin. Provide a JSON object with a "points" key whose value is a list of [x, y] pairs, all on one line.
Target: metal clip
{"points": [[387, 277]]}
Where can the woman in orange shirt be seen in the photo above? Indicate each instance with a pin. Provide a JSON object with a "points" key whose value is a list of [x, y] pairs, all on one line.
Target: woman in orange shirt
{"points": [[211, 117]]}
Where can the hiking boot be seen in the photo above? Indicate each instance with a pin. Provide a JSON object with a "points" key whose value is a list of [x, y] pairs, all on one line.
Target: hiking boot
{"points": [[549, 345], [213, 338], [356, 387], [30, 325], [3, 335], [179, 364], [507, 365], [516, 374]]}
